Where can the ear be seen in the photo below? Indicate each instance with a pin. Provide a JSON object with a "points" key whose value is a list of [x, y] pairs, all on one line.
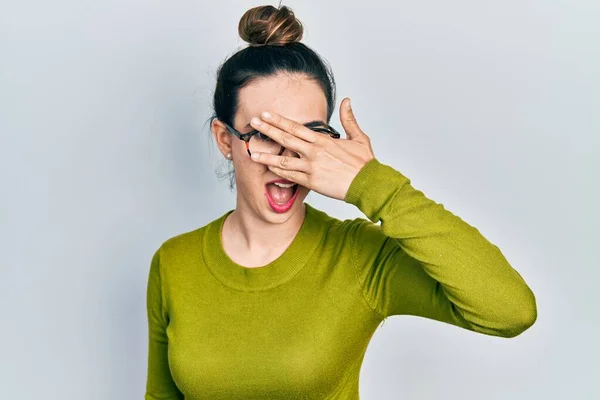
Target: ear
{"points": [[222, 136]]}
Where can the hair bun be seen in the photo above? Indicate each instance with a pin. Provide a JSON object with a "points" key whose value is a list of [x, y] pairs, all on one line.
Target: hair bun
{"points": [[267, 25]]}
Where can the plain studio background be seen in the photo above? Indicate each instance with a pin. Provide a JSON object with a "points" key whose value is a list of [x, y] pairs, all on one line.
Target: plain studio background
{"points": [[490, 109]]}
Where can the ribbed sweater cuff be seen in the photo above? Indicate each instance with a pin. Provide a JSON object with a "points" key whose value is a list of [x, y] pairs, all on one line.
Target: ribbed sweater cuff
{"points": [[374, 184]]}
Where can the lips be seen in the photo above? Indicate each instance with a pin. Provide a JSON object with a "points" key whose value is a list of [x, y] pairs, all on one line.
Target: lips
{"points": [[294, 188], [279, 181], [280, 207]]}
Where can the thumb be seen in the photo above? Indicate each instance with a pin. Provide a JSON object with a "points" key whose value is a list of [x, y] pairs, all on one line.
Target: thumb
{"points": [[348, 120]]}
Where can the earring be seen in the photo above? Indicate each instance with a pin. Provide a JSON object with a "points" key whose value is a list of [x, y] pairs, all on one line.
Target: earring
{"points": [[229, 156]]}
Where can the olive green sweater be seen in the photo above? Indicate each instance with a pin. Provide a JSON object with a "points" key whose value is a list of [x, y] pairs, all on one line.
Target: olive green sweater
{"points": [[298, 327]]}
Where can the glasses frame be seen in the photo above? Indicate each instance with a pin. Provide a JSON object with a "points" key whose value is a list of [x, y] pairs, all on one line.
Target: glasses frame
{"points": [[316, 127]]}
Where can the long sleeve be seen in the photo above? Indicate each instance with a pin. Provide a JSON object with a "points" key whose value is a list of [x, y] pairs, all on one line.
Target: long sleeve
{"points": [[423, 260], [159, 383]]}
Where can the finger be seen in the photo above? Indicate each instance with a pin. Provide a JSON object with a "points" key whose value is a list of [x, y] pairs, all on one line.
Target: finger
{"points": [[282, 162], [295, 176], [286, 139], [349, 121], [291, 126]]}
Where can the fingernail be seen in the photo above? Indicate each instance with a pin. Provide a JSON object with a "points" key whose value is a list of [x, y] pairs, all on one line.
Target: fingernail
{"points": [[256, 121], [266, 115], [349, 106], [256, 156]]}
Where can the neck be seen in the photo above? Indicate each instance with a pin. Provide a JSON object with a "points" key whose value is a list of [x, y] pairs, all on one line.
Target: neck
{"points": [[253, 235]]}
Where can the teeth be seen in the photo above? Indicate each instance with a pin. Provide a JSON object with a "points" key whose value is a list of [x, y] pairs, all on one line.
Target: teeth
{"points": [[284, 185]]}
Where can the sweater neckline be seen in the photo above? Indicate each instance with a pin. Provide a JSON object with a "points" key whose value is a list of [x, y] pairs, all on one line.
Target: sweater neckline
{"points": [[273, 274]]}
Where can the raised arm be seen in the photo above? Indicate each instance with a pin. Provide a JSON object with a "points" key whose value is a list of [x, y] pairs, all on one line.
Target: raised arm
{"points": [[425, 261]]}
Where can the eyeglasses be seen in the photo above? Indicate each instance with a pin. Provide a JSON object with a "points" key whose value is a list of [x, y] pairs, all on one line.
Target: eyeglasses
{"points": [[264, 144]]}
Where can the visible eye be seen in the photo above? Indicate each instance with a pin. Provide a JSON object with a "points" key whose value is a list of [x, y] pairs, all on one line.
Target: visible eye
{"points": [[262, 137]]}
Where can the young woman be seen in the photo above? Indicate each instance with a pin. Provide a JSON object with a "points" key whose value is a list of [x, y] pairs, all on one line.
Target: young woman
{"points": [[278, 300]]}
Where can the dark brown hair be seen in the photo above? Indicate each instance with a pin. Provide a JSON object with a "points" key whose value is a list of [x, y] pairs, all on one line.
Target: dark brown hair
{"points": [[273, 35], [267, 25]]}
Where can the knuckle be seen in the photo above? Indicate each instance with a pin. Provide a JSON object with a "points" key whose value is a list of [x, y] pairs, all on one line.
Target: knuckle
{"points": [[285, 139], [284, 161], [296, 127]]}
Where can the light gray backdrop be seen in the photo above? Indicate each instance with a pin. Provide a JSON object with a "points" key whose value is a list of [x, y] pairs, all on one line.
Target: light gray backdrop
{"points": [[491, 108]]}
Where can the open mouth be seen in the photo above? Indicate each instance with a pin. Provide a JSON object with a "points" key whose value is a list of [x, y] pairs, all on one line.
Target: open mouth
{"points": [[281, 193]]}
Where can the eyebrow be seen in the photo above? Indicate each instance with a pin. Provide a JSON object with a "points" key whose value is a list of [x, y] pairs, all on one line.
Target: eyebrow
{"points": [[308, 124]]}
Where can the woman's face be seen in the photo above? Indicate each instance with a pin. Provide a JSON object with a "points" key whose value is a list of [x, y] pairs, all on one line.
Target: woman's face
{"points": [[292, 96]]}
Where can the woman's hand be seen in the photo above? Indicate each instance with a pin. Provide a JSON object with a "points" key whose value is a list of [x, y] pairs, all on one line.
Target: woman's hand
{"points": [[326, 165]]}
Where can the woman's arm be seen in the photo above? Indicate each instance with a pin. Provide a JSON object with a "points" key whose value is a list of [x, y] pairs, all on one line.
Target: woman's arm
{"points": [[423, 260], [159, 383]]}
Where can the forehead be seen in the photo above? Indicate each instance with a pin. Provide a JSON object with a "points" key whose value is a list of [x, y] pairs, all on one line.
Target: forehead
{"points": [[292, 96]]}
